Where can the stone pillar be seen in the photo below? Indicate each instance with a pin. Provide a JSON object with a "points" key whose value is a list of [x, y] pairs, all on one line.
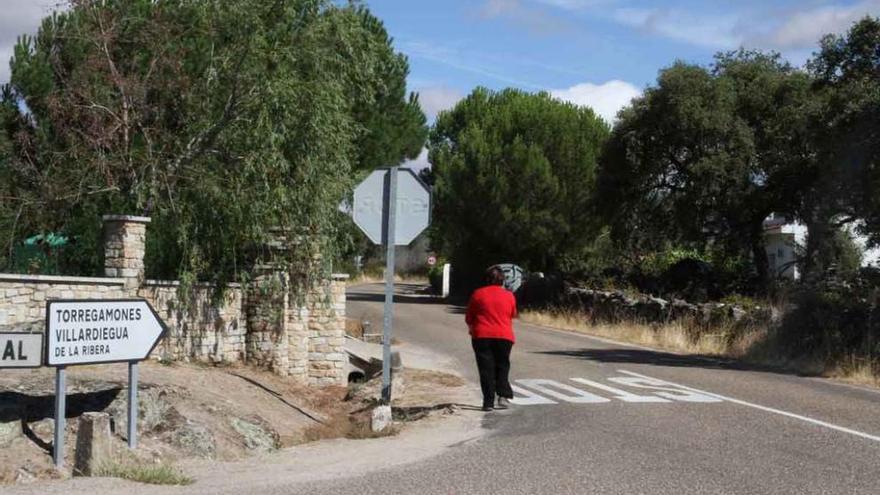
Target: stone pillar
{"points": [[267, 340], [124, 245], [93, 443], [267, 300], [327, 357]]}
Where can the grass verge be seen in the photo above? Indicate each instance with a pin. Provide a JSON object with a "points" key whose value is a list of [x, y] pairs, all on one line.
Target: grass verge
{"points": [[152, 474], [755, 345]]}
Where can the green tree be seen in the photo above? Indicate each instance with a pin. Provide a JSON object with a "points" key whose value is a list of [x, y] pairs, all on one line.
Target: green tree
{"points": [[223, 120], [394, 126], [847, 72], [513, 179], [701, 159]]}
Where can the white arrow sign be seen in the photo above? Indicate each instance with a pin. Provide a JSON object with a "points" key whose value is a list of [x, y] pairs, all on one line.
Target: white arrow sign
{"points": [[100, 331]]}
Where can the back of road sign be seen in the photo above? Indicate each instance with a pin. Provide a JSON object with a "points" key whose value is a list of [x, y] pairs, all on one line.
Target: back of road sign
{"points": [[413, 213]]}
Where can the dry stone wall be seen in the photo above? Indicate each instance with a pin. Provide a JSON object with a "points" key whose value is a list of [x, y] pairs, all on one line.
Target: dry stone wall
{"points": [[203, 327], [23, 297], [263, 324]]}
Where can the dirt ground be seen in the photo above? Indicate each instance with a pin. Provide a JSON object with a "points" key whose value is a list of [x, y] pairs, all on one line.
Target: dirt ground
{"points": [[190, 412]]}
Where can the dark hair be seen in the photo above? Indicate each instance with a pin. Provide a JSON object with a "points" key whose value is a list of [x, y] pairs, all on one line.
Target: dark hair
{"points": [[494, 276]]}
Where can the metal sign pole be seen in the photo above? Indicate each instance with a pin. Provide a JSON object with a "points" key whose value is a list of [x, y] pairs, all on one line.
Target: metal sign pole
{"points": [[390, 213], [132, 404], [60, 411]]}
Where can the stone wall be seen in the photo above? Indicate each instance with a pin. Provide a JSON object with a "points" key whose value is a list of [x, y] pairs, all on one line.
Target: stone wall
{"points": [[23, 297], [616, 306], [263, 324], [300, 337], [205, 327]]}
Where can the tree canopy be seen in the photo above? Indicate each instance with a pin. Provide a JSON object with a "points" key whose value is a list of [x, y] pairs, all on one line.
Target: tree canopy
{"points": [[224, 120], [513, 179], [702, 158], [847, 72]]}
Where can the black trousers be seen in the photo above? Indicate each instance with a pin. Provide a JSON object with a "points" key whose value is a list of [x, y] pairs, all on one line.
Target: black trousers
{"points": [[493, 361]]}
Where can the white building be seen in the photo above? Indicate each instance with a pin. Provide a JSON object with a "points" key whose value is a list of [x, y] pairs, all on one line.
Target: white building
{"points": [[785, 241]]}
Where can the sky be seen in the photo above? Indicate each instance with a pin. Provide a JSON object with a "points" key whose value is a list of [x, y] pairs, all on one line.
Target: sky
{"points": [[600, 53]]}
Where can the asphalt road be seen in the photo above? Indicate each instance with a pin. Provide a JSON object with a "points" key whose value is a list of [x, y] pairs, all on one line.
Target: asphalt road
{"points": [[633, 421]]}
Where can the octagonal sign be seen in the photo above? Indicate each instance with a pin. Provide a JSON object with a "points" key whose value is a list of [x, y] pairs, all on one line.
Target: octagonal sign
{"points": [[413, 213]]}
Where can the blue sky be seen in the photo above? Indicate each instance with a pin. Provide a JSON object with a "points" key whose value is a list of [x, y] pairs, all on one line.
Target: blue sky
{"points": [[594, 52], [599, 52]]}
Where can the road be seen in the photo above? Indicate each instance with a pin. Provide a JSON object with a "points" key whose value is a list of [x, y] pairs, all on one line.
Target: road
{"points": [[594, 417], [603, 417]]}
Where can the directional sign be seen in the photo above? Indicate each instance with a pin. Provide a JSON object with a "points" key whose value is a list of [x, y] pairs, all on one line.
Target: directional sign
{"points": [[21, 350], [100, 331], [413, 213]]}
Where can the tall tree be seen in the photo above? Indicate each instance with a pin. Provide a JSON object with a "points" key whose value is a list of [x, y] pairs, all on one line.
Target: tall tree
{"points": [[393, 124], [513, 179], [702, 158], [224, 120], [847, 70]]}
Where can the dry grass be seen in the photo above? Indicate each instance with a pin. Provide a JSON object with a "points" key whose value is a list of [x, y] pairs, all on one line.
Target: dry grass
{"points": [[152, 474], [857, 370], [753, 346], [354, 328], [433, 378], [671, 337]]}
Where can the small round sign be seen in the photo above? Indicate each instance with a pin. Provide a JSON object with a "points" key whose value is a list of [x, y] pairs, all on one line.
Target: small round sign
{"points": [[432, 260]]}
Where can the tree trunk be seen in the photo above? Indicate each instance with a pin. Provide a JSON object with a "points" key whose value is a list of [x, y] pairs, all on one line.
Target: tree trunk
{"points": [[762, 264], [818, 234]]}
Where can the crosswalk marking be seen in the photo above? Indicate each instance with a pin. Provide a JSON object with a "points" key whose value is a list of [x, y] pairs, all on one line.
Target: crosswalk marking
{"points": [[573, 395], [542, 391], [620, 394], [528, 398], [666, 390]]}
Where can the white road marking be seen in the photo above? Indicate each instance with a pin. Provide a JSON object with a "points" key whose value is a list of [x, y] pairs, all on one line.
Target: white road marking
{"points": [[576, 396], [670, 392], [620, 394], [529, 398], [763, 408]]}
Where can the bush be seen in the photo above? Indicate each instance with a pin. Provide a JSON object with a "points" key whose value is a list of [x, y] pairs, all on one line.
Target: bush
{"points": [[832, 323], [435, 275]]}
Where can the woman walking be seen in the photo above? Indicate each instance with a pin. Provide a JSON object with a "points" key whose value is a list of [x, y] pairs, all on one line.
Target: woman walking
{"points": [[490, 317]]}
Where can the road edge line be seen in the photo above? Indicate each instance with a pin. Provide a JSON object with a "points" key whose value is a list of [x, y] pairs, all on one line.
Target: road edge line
{"points": [[780, 412]]}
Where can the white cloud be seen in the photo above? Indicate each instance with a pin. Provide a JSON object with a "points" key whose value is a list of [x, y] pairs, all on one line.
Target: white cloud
{"points": [[791, 30], [575, 4], [713, 31], [605, 99], [419, 163], [535, 20], [435, 99], [804, 29], [19, 17]]}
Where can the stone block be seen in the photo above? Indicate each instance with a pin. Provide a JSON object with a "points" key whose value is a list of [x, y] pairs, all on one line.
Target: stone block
{"points": [[93, 443], [380, 418], [10, 423]]}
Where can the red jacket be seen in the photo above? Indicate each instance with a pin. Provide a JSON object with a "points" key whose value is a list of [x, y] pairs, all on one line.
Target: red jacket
{"points": [[491, 312]]}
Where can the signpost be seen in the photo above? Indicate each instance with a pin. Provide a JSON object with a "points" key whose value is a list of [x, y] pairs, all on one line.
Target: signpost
{"points": [[21, 350], [98, 331], [399, 225]]}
